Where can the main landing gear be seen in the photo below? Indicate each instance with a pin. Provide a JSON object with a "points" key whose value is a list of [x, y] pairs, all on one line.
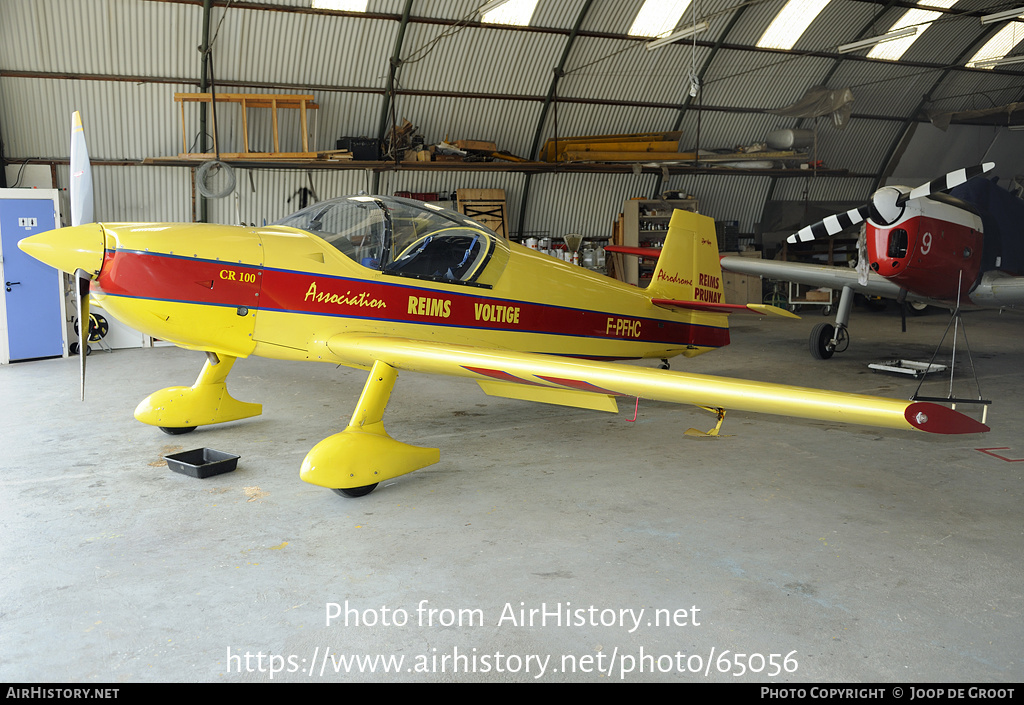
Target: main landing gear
{"points": [[178, 410], [827, 339], [354, 461]]}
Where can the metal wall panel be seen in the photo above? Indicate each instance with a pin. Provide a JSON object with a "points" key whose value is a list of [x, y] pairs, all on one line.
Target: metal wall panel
{"points": [[976, 91], [105, 37], [303, 49], [587, 204], [814, 188], [715, 130], [750, 80], [861, 148], [624, 70], [122, 120], [479, 59], [134, 194], [727, 197]]}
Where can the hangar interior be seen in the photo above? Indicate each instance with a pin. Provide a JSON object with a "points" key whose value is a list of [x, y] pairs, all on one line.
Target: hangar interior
{"points": [[548, 543]]}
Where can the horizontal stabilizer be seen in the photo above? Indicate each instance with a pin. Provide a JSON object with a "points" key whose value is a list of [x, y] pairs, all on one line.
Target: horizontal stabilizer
{"points": [[649, 252], [760, 309]]}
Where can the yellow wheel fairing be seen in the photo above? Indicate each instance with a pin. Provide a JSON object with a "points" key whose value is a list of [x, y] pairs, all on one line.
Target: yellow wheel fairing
{"points": [[206, 402], [364, 454]]}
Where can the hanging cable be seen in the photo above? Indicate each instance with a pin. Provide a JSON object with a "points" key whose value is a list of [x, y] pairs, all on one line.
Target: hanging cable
{"points": [[215, 166]]}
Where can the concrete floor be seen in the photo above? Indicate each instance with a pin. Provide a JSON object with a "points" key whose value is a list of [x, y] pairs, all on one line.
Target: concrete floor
{"points": [[859, 554]]}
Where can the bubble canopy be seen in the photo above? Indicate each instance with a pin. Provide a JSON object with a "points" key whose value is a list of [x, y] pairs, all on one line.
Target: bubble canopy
{"points": [[404, 237]]}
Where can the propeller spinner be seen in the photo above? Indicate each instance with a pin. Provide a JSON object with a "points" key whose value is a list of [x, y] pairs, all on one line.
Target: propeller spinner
{"points": [[887, 204]]}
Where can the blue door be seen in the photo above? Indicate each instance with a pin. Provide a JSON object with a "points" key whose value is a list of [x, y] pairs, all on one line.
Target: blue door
{"points": [[35, 324]]}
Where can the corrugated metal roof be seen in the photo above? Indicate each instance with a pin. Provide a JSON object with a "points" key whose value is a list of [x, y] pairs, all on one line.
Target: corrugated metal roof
{"points": [[472, 81], [479, 60]]}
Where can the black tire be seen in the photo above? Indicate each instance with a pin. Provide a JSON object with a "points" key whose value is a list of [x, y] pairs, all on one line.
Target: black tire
{"points": [[355, 491], [820, 341], [177, 430], [917, 308]]}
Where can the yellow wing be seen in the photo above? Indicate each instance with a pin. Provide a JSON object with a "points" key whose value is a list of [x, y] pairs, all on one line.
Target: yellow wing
{"points": [[595, 384]]}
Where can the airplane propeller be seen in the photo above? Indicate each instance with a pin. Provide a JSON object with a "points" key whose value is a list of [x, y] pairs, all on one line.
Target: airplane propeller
{"points": [[81, 212], [887, 204]]}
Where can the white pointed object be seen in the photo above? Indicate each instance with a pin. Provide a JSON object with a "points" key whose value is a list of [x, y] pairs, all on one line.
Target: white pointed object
{"points": [[81, 212], [951, 180], [81, 174]]}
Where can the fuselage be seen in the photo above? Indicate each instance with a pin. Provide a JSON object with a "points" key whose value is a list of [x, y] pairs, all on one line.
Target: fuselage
{"points": [[281, 292]]}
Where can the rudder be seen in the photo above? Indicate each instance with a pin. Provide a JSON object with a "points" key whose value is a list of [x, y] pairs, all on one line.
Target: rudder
{"points": [[688, 267]]}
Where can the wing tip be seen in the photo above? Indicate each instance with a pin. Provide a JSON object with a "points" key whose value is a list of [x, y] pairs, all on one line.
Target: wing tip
{"points": [[934, 418]]}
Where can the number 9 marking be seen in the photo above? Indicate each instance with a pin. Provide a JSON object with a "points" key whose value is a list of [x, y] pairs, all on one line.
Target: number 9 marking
{"points": [[926, 243]]}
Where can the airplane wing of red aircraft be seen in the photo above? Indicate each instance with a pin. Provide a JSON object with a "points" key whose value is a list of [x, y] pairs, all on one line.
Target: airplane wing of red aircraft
{"points": [[387, 284]]}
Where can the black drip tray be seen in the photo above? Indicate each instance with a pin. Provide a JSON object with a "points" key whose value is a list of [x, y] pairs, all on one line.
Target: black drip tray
{"points": [[202, 462]]}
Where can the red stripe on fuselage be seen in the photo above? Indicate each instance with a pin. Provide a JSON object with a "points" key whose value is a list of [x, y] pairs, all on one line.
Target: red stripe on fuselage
{"points": [[401, 301], [170, 278], [193, 280]]}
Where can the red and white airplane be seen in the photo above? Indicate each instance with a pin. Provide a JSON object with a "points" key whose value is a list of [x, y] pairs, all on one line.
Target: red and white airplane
{"points": [[923, 246]]}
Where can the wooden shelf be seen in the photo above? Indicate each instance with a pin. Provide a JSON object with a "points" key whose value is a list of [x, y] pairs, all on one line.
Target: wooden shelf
{"points": [[255, 162]]}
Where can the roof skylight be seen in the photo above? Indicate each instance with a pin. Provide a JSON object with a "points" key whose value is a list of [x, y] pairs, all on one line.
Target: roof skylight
{"points": [[998, 46], [658, 17], [790, 23], [911, 18], [341, 5], [516, 12]]}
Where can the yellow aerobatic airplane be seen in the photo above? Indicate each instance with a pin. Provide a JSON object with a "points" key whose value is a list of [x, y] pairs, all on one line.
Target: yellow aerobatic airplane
{"points": [[388, 284]]}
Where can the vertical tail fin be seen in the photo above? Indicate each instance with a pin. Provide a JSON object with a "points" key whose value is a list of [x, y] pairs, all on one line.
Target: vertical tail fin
{"points": [[688, 268]]}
